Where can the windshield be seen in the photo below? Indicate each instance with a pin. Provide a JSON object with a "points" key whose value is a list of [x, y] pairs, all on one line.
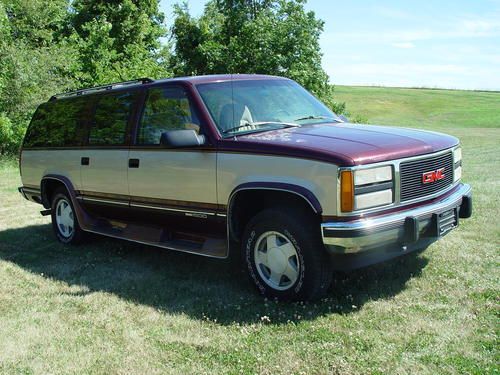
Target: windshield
{"points": [[257, 105]]}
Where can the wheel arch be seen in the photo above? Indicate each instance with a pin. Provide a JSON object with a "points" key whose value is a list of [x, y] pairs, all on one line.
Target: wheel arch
{"points": [[257, 190], [51, 182]]}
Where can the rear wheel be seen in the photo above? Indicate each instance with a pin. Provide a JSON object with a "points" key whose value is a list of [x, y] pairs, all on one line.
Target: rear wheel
{"points": [[64, 220], [285, 256]]}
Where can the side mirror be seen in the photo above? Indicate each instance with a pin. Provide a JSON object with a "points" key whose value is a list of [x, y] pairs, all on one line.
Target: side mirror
{"points": [[181, 138], [343, 118]]}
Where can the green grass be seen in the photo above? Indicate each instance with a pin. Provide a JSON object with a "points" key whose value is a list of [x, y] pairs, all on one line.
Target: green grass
{"points": [[423, 108], [115, 307]]}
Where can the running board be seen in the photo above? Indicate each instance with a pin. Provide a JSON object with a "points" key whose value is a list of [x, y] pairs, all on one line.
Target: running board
{"points": [[160, 237]]}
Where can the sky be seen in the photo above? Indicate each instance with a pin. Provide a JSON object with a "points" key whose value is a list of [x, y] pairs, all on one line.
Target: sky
{"points": [[426, 43]]}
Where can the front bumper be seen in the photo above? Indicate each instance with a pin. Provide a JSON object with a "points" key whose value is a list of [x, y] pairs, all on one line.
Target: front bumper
{"points": [[412, 229]]}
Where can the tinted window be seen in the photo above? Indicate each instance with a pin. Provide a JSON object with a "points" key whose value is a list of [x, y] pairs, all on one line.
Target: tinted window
{"points": [[111, 117], [58, 123], [166, 109]]}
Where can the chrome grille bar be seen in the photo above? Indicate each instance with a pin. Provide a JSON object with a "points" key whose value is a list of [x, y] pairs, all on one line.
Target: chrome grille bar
{"points": [[411, 176]]}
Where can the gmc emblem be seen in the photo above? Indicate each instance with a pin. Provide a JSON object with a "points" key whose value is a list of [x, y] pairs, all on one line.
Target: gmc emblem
{"points": [[433, 176]]}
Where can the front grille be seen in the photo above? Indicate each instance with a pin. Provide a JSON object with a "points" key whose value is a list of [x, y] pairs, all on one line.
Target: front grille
{"points": [[411, 172]]}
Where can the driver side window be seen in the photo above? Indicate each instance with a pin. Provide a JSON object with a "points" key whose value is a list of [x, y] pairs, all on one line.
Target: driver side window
{"points": [[166, 108]]}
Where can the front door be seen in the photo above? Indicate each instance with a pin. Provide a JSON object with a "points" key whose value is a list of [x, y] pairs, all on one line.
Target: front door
{"points": [[178, 182]]}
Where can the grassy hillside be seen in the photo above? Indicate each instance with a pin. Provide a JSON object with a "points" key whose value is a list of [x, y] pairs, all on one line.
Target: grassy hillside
{"points": [[111, 307], [423, 108]]}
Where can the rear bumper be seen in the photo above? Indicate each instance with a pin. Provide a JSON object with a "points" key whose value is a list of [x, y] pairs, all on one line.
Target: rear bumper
{"points": [[399, 232], [31, 194]]}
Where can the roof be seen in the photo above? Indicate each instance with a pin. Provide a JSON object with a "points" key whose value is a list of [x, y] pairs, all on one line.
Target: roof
{"points": [[142, 81], [221, 78]]}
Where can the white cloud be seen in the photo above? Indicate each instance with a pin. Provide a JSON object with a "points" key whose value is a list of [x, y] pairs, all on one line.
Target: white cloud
{"points": [[404, 69], [469, 26], [414, 75], [395, 36], [481, 26], [391, 12], [404, 45]]}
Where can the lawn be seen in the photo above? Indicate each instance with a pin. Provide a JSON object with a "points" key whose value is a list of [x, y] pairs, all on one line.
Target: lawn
{"points": [[422, 108], [115, 307]]}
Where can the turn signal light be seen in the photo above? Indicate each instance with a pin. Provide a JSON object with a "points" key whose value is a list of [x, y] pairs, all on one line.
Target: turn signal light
{"points": [[346, 191]]}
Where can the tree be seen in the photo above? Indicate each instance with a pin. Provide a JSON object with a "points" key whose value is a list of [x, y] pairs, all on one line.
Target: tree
{"points": [[118, 40], [47, 47], [6, 133], [275, 37], [35, 61]]}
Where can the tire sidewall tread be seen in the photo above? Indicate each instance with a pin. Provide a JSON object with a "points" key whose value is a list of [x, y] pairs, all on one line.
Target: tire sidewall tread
{"points": [[315, 270], [77, 235]]}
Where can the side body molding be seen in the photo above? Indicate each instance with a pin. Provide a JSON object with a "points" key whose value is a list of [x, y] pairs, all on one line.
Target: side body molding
{"points": [[301, 191]]}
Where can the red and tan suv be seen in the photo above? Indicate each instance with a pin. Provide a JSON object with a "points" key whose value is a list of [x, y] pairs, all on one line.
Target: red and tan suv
{"points": [[243, 164]]}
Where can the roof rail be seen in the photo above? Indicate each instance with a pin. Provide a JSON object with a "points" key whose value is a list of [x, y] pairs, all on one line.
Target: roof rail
{"points": [[109, 86]]}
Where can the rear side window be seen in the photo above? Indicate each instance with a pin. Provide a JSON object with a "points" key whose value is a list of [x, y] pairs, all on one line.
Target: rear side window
{"points": [[111, 117], [58, 123], [166, 108]]}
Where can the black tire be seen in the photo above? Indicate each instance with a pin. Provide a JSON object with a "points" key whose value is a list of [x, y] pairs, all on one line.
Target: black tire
{"points": [[76, 235], [311, 264]]}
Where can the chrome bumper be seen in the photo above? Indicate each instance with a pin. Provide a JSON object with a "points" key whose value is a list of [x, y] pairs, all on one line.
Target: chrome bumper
{"points": [[403, 228]]}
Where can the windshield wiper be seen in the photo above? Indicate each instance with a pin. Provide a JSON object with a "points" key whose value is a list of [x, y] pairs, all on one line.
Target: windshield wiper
{"points": [[259, 123], [318, 117]]}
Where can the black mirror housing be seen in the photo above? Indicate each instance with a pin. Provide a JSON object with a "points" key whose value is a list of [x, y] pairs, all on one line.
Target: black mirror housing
{"points": [[181, 138]]}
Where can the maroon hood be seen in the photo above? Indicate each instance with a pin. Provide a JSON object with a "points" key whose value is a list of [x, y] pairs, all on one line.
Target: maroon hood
{"points": [[343, 144]]}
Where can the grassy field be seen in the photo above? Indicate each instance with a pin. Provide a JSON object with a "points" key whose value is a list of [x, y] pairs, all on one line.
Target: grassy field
{"points": [[423, 108], [116, 307]]}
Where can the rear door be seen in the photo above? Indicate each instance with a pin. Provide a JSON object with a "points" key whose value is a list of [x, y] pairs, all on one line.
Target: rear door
{"points": [[176, 181], [105, 162]]}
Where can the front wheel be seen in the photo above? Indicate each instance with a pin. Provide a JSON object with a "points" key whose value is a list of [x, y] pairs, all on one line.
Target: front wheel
{"points": [[285, 256]]}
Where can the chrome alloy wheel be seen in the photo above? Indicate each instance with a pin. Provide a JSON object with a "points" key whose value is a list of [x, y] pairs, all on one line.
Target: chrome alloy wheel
{"points": [[64, 218], [276, 260]]}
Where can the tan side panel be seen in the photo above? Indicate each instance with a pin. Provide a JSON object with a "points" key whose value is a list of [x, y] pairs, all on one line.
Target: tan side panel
{"points": [[38, 163], [178, 175], [106, 172], [236, 169]]}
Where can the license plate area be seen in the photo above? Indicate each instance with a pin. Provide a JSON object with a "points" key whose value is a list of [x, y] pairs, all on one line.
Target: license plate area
{"points": [[445, 221]]}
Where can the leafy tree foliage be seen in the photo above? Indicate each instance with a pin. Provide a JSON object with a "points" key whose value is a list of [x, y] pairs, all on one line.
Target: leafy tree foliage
{"points": [[53, 46], [33, 60], [118, 40], [6, 133], [253, 36]]}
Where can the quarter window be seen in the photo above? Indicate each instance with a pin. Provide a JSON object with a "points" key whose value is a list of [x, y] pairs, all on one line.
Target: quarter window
{"points": [[166, 109], [111, 118], [58, 123]]}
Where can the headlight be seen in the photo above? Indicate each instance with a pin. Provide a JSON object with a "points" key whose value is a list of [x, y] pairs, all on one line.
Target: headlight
{"points": [[376, 198], [457, 164], [366, 188], [372, 175]]}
